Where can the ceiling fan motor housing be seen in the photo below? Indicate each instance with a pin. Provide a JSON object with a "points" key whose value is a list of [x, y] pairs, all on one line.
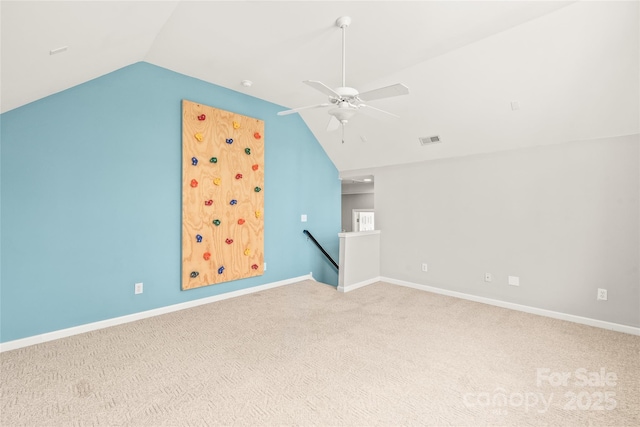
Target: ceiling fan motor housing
{"points": [[346, 93]]}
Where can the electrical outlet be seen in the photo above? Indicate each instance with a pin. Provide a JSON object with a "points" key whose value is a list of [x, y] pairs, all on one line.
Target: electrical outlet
{"points": [[425, 267], [303, 218], [138, 288], [602, 294], [265, 266], [514, 281], [488, 277]]}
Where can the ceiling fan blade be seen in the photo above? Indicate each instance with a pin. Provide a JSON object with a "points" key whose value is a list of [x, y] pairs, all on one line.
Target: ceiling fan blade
{"points": [[295, 110], [322, 88], [333, 124], [376, 112], [384, 92]]}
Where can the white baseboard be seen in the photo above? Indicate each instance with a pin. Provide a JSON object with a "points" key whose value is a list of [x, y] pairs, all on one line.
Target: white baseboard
{"points": [[62, 333], [518, 307], [358, 285]]}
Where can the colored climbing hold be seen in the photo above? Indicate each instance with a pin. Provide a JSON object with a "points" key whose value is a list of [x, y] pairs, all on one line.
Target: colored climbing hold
{"points": [[202, 117], [247, 252], [233, 202], [236, 125], [194, 274], [257, 189], [216, 222], [194, 161], [228, 241], [257, 135], [198, 238], [199, 136], [208, 202], [258, 214], [217, 181], [194, 183], [221, 270], [247, 150], [254, 266], [255, 167], [239, 176], [213, 160], [206, 256], [241, 221], [229, 140]]}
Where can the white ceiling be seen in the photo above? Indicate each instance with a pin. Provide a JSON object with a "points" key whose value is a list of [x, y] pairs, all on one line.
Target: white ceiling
{"points": [[571, 66]]}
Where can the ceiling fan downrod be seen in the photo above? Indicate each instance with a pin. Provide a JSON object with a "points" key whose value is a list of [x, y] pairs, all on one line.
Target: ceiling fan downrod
{"points": [[343, 22]]}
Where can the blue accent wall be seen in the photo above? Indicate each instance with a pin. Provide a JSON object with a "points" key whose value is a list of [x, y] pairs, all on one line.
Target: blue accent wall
{"points": [[91, 201]]}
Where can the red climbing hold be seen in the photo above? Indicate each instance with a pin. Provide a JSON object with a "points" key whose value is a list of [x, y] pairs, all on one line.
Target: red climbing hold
{"points": [[201, 117]]}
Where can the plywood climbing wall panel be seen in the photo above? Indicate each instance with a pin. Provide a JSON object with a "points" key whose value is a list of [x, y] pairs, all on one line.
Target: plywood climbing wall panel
{"points": [[222, 196]]}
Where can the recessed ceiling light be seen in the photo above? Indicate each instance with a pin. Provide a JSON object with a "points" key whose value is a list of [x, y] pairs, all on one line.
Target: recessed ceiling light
{"points": [[367, 180], [246, 83]]}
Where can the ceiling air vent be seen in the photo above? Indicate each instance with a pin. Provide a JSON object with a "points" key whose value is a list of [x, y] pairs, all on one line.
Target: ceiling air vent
{"points": [[427, 140]]}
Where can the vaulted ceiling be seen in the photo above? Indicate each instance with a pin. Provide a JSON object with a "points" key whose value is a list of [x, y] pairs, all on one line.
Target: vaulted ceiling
{"points": [[482, 75]]}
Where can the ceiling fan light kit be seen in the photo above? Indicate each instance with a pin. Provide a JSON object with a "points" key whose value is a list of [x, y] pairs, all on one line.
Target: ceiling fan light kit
{"points": [[347, 101]]}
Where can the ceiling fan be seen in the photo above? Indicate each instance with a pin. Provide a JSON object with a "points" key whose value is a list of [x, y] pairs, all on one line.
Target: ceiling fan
{"points": [[347, 101]]}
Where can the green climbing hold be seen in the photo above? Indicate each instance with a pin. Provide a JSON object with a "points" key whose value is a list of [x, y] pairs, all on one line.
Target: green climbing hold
{"points": [[216, 222], [257, 189], [247, 150], [213, 160]]}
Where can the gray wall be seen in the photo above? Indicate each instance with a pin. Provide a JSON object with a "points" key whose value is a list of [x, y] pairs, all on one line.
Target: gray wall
{"points": [[564, 218], [354, 201]]}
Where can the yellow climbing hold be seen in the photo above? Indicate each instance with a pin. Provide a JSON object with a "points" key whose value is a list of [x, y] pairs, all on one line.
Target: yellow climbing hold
{"points": [[236, 125], [199, 136], [217, 181], [258, 214], [247, 252]]}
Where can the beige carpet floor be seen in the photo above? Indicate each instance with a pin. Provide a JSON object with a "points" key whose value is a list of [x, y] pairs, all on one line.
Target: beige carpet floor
{"points": [[304, 354]]}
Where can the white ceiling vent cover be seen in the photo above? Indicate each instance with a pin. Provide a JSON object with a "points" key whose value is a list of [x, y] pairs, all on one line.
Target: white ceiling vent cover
{"points": [[427, 140]]}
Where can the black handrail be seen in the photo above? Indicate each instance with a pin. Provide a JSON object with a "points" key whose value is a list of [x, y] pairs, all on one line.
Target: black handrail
{"points": [[313, 239]]}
